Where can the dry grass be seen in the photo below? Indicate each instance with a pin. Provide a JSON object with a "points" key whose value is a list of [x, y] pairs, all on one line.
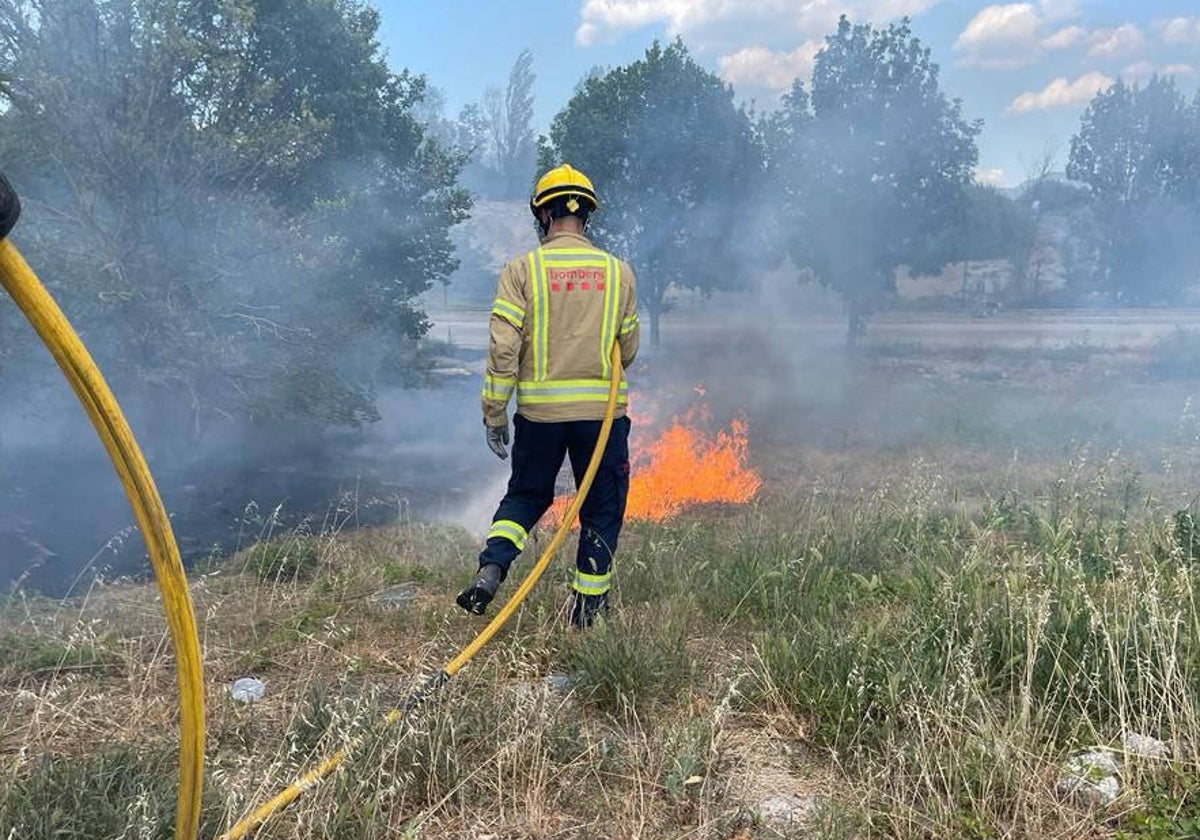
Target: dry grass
{"points": [[902, 641]]}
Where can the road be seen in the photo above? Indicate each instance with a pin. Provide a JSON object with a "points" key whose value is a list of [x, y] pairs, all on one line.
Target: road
{"points": [[1044, 328]]}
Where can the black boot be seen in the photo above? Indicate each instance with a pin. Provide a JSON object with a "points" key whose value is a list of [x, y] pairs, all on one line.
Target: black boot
{"points": [[476, 597], [587, 607]]}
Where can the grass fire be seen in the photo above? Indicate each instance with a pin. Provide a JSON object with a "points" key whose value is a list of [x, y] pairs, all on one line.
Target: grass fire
{"points": [[683, 466]]}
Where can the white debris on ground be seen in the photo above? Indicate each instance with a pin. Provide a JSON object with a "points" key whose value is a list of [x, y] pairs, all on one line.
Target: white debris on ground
{"points": [[1144, 746], [247, 689], [761, 765], [557, 682], [787, 809], [1091, 778], [394, 597]]}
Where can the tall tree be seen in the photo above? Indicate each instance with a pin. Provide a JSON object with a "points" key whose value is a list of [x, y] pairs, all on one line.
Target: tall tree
{"points": [[233, 198], [990, 228], [1138, 150], [510, 121], [886, 158], [674, 163]]}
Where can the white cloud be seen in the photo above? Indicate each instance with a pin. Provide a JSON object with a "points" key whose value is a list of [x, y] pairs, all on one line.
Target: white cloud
{"points": [[601, 18], [1145, 69], [1016, 34], [1140, 70], [1060, 9], [1122, 40], [587, 34], [1179, 30], [726, 22], [1015, 22], [1061, 93], [1064, 38], [759, 67], [993, 177]]}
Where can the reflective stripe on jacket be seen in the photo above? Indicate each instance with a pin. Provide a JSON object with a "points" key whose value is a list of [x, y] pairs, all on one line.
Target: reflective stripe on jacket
{"points": [[557, 312]]}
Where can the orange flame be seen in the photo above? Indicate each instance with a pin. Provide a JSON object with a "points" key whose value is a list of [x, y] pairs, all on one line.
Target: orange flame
{"points": [[685, 467]]}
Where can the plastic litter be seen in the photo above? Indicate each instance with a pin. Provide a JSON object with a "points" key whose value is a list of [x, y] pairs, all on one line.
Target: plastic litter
{"points": [[247, 689]]}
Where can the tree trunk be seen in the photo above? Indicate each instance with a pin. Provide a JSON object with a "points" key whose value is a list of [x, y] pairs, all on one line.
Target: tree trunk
{"points": [[655, 336]]}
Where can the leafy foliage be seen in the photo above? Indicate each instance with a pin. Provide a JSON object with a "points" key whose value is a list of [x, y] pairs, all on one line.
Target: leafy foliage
{"points": [[675, 165], [872, 166], [995, 227], [1138, 150], [509, 121], [232, 199]]}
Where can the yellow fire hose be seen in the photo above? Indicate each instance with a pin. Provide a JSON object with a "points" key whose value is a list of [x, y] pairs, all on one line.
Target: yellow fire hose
{"points": [[286, 796], [64, 344]]}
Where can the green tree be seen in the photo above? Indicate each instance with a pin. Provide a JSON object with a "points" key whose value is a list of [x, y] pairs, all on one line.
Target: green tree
{"points": [[674, 163], [1138, 151], [509, 121], [989, 226], [233, 198], [878, 163]]}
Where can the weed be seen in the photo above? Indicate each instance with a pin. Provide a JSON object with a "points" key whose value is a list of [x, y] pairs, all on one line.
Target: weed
{"points": [[393, 572], [1187, 535], [633, 662], [937, 661], [294, 557], [310, 726], [106, 794], [22, 653], [1171, 810], [687, 755]]}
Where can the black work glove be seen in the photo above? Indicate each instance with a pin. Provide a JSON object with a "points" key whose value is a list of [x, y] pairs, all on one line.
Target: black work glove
{"points": [[497, 440]]}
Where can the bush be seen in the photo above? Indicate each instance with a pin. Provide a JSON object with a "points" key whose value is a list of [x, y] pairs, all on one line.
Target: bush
{"points": [[1171, 810]]}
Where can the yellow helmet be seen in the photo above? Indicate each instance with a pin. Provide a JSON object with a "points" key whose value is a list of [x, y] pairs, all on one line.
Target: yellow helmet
{"points": [[562, 181]]}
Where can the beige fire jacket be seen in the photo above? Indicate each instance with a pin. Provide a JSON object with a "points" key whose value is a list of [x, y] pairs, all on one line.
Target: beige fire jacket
{"points": [[557, 312]]}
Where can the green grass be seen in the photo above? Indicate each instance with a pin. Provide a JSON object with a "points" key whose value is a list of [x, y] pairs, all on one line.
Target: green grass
{"points": [[638, 662], [293, 557], [925, 662], [27, 653], [117, 792]]}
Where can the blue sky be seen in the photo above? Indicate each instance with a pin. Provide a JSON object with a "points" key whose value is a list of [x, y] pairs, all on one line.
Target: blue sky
{"points": [[1026, 68]]}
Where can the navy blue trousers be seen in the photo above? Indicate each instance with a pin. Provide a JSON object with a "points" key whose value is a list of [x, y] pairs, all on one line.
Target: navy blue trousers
{"points": [[537, 456]]}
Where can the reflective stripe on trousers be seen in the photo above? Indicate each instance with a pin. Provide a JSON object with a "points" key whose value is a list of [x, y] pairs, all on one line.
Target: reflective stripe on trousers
{"points": [[537, 455]]}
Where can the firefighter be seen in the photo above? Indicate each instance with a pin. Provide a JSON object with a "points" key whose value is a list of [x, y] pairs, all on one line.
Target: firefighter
{"points": [[558, 310]]}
